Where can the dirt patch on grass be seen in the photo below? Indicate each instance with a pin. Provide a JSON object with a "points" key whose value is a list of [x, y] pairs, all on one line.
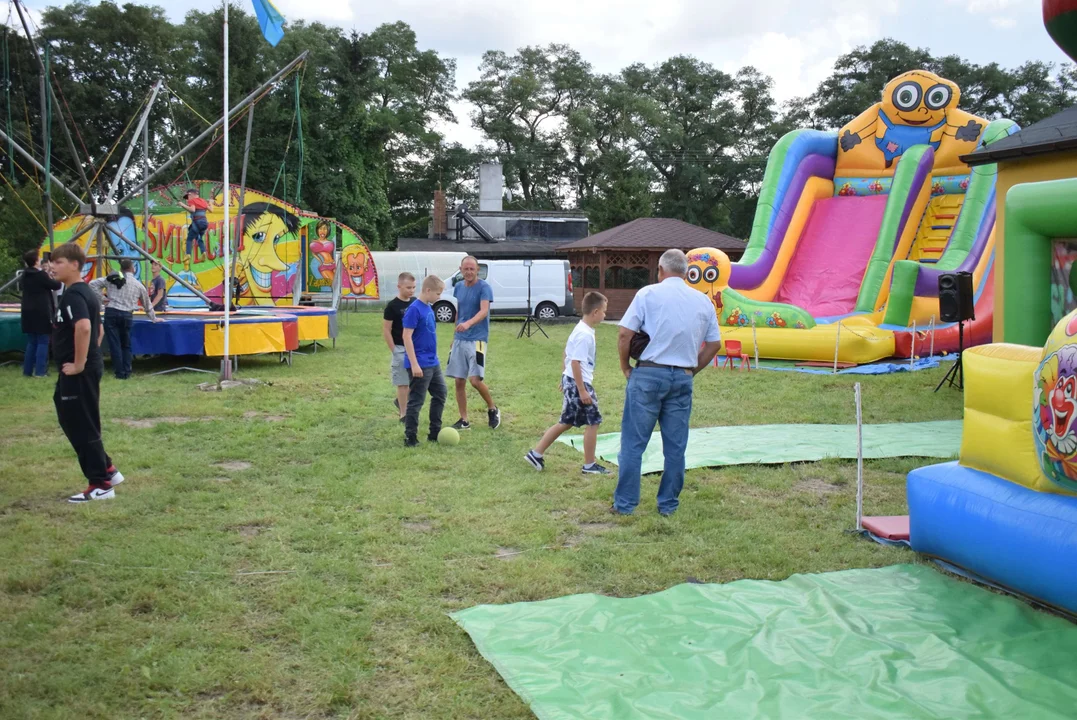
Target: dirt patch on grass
{"points": [[507, 553], [817, 487], [256, 415], [595, 528], [222, 479], [233, 465], [149, 423], [420, 526], [249, 530]]}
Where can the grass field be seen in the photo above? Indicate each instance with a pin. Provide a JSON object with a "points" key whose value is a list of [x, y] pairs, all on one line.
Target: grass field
{"points": [[276, 552]]}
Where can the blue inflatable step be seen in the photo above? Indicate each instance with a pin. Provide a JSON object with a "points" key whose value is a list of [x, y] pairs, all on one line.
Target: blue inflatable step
{"points": [[1012, 536]]}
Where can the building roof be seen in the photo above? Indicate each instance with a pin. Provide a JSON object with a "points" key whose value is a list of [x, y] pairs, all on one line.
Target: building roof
{"points": [[656, 234], [504, 250], [1054, 134]]}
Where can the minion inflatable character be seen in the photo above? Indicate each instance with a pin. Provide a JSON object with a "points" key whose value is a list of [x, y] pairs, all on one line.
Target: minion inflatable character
{"points": [[708, 272], [917, 108]]}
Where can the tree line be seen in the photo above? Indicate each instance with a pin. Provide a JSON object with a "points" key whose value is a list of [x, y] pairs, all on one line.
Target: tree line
{"points": [[679, 138]]}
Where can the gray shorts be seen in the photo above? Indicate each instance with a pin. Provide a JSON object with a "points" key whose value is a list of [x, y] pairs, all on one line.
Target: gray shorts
{"points": [[467, 358], [396, 368]]}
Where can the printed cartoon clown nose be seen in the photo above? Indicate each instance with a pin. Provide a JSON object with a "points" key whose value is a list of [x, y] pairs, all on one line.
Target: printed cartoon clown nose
{"points": [[1060, 19]]}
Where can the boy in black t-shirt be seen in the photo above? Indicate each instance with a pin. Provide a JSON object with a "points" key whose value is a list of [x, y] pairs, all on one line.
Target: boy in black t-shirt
{"points": [[393, 332], [76, 341]]}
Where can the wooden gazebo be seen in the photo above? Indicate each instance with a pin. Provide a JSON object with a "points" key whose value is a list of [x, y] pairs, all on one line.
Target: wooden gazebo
{"points": [[619, 261]]}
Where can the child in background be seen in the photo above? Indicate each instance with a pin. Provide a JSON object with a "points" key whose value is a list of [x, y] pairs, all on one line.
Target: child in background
{"points": [[38, 307], [76, 342], [580, 406], [392, 329], [199, 223], [421, 361]]}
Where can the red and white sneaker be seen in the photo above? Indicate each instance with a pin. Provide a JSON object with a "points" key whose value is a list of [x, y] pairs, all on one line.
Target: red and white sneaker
{"points": [[115, 477], [91, 494]]}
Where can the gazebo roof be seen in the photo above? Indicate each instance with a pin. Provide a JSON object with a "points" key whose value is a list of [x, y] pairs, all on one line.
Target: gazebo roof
{"points": [[656, 234]]}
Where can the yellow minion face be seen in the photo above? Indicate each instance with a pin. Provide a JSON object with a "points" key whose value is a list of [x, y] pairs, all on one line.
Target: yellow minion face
{"points": [[919, 99], [708, 272]]}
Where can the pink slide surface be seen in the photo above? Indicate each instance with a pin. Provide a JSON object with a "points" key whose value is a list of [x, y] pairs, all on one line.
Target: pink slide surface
{"points": [[828, 266]]}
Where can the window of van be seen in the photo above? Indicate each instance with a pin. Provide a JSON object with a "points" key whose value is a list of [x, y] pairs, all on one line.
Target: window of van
{"points": [[484, 271]]}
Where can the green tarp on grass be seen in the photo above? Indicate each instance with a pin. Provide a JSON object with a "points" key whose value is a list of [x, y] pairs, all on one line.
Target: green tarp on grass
{"points": [[775, 444], [898, 642]]}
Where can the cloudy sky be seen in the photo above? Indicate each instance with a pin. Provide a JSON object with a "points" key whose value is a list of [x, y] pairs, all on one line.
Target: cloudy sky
{"points": [[793, 41]]}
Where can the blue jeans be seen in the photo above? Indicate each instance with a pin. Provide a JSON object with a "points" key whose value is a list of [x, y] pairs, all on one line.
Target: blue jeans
{"points": [[195, 231], [661, 395], [118, 334], [36, 359]]}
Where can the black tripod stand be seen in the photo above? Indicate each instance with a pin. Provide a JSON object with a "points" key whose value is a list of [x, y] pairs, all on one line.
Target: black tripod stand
{"points": [[531, 323], [956, 374]]}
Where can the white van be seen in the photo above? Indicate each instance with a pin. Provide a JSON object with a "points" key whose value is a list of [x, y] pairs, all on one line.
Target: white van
{"points": [[551, 289], [390, 264]]}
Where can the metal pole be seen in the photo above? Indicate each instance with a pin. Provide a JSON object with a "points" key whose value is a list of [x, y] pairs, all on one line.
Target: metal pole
{"points": [[932, 337], [859, 460], [212, 128], [146, 189], [755, 344], [47, 151], [33, 161], [226, 363], [134, 141], [912, 348], [52, 94], [837, 344], [12, 281], [243, 180]]}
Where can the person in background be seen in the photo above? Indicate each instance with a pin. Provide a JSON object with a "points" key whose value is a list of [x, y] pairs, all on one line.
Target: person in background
{"points": [[76, 341], [392, 330], [467, 356], [157, 289], [124, 294], [38, 311], [199, 223], [684, 338]]}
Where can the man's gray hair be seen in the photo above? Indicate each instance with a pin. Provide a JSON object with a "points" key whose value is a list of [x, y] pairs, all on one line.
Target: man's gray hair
{"points": [[675, 262]]}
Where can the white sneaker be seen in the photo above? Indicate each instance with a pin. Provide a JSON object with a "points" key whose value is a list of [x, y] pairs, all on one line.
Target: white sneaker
{"points": [[115, 478], [92, 493]]}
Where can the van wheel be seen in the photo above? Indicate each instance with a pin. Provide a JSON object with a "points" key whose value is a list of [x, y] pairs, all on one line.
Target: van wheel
{"points": [[546, 311], [444, 312]]}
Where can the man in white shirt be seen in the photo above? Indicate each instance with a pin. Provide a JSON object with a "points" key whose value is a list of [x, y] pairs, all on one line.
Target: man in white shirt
{"points": [[684, 338]]}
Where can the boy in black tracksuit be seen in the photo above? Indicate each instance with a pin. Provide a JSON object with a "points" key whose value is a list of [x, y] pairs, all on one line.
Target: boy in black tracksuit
{"points": [[76, 341]]}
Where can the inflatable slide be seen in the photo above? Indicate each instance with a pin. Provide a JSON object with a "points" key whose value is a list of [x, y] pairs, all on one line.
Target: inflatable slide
{"points": [[854, 227]]}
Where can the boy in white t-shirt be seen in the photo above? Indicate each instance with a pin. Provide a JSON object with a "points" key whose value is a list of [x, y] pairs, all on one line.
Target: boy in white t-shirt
{"points": [[580, 407]]}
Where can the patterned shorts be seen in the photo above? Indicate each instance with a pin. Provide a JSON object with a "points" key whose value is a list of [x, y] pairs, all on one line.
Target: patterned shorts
{"points": [[574, 412]]}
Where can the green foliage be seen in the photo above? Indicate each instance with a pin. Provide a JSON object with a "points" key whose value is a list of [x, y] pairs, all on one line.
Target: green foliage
{"points": [[677, 139]]}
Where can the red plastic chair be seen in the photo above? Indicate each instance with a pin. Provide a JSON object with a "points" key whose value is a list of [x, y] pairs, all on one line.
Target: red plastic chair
{"points": [[733, 351]]}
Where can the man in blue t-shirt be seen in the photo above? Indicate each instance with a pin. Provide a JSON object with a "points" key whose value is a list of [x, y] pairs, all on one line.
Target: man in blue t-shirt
{"points": [[421, 362], [467, 357]]}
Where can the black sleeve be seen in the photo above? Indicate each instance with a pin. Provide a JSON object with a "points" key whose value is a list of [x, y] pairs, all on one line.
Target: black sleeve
{"points": [[52, 285], [389, 313], [75, 308]]}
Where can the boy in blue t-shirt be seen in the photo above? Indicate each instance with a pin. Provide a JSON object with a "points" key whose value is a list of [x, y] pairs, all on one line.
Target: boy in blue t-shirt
{"points": [[421, 362]]}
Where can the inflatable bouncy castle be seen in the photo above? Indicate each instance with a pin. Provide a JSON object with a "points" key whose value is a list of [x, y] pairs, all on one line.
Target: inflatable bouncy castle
{"points": [[1006, 511], [854, 227]]}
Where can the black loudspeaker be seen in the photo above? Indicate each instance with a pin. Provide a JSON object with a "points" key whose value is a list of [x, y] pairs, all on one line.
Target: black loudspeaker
{"points": [[956, 297]]}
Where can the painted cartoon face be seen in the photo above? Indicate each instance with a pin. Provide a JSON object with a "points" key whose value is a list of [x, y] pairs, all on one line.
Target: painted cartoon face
{"points": [[355, 271], [1063, 412], [708, 272], [919, 98], [259, 253]]}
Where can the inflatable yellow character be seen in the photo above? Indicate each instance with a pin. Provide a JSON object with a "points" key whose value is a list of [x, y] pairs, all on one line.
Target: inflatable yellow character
{"points": [[708, 272], [917, 108]]}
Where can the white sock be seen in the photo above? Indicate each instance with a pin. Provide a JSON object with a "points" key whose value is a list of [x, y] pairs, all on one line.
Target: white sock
{"points": [[536, 453]]}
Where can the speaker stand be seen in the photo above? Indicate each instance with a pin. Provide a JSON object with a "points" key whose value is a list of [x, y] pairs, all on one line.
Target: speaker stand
{"points": [[956, 374]]}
